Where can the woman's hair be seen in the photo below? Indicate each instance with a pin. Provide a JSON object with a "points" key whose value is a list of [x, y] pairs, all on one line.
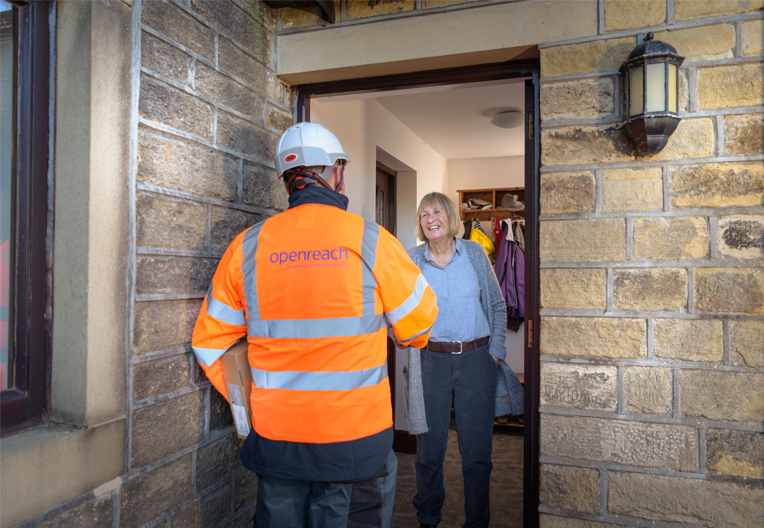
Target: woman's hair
{"points": [[445, 203]]}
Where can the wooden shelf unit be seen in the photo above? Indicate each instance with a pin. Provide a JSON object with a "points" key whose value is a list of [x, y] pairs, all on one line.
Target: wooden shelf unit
{"points": [[494, 196]]}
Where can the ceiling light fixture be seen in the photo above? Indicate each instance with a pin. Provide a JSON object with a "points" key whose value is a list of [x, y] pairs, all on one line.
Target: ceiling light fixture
{"points": [[508, 119]]}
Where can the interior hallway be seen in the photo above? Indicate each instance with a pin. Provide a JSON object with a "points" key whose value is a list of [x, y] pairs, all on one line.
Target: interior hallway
{"points": [[506, 483]]}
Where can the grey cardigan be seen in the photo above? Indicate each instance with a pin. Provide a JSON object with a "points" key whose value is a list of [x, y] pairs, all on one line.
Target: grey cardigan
{"points": [[509, 392]]}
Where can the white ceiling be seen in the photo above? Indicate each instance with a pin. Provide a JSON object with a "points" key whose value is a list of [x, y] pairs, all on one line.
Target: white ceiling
{"points": [[455, 120]]}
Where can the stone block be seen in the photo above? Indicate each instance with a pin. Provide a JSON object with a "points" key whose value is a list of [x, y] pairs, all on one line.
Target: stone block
{"points": [[744, 134], [570, 488], [595, 240], [554, 521], [739, 453], [687, 9], [704, 43], [356, 10], [220, 411], [579, 99], [226, 224], [430, 4], [729, 290], [161, 376], [263, 188], [650, 290], [246, 490], [186, 167], [648, 389], [251, 32], [685, 500], [306, 16], [747, 343], [246, 137], [567, 192], [217, 460], [580, 289], [95, 512], [598, 55], [629, 14], [579, 386], [166, 427], [640, 444], [168, 223], [605, 337], [164, 104], [584, 145], [693, 138], [171, 21], [163, 325], [164, 59], [278, 118], [232, 59], [223, 90], [718, 185], [741, 236], [752, 37], [632, 190], [157, 275], [689, 340], [730, 86], [210, 510], [155, 492], [671, 238], [726, 396]]}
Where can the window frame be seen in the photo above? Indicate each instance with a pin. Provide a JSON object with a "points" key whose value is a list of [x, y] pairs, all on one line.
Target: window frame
{"points": [[29, 286]]}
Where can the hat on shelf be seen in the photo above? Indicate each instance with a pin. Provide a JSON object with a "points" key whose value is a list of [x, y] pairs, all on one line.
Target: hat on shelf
{"points": [[510, 202]]}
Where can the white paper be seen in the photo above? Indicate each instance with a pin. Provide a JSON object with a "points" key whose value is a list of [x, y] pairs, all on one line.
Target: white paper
{"points": [[240, 417], [235, 394]]}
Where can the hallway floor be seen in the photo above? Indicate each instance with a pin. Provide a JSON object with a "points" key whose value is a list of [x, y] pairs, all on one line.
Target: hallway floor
{"points": [[506, 483]]}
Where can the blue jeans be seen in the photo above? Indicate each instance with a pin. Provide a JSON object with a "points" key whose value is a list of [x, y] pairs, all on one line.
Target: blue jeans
{"points": [[291, 503], [470, 380]]}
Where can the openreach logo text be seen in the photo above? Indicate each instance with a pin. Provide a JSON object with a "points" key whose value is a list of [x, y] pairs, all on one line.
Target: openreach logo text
{"points": [[314, 256]]}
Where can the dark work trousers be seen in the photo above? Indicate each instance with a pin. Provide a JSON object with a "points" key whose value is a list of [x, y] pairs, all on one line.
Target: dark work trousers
{"points": [[470, 378], [290, 503]]}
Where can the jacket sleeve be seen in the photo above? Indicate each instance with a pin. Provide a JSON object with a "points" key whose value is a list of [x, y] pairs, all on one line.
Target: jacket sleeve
{"points": [[221, 321], [490, 288], [408, 301]]}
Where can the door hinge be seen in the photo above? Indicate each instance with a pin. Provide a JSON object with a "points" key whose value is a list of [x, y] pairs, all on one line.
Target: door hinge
{"points": [[529, 330], [530, 126]]}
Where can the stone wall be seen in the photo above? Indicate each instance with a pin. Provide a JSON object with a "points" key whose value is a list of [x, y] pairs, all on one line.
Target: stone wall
{"points": [[652, 287]]}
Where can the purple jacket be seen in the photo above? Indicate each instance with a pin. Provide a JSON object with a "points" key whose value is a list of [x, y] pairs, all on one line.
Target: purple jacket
{"points": [[510, 272]]}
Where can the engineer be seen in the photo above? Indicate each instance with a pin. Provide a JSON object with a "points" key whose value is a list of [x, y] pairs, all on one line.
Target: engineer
{"points": [[313, 290]]}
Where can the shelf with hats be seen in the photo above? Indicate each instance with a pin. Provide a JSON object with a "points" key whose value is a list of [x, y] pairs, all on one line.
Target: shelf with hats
{"points": [[484, 204]]}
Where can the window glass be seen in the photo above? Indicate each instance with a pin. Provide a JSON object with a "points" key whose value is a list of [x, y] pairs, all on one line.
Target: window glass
{"points": [[7, 85]]}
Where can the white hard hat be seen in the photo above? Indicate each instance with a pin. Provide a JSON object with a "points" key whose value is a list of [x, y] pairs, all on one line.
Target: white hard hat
{"points": [[307, 144]]}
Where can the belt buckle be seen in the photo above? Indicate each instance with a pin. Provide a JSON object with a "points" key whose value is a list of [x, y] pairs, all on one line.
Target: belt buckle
{"points": [[461, 348]]}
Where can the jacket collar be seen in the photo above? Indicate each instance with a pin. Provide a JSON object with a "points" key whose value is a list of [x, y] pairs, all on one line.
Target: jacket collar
{"points": [[314, 194]]}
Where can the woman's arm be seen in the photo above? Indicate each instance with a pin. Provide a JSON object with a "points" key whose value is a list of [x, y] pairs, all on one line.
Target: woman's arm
{"points": [[490, 289]]}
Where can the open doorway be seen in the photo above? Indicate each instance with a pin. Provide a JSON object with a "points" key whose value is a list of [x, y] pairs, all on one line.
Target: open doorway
{"points": [[437, 124]]}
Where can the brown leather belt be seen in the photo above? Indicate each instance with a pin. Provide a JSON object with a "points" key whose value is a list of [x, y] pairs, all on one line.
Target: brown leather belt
{"points": [[456, 347]]}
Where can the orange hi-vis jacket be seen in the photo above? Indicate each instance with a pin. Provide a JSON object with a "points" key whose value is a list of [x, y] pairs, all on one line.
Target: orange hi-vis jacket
{"points": [[313, 289]]}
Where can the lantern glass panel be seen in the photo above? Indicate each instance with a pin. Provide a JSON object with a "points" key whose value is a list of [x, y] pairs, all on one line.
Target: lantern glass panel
{"points": [[656, 87], [673, 92], [636, 89]]}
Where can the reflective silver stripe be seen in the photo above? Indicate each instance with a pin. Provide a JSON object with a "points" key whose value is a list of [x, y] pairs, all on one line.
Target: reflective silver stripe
{"points": [[207, 356], [224, 313], [316, 381], [248, 269], [409, 339], [409, 304], [315, 328], [369, 257]]}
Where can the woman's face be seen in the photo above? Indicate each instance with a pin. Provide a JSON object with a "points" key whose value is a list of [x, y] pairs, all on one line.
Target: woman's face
{"points": [[434, 222]]}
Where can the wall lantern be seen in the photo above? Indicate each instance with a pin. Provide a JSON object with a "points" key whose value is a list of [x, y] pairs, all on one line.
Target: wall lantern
{"points": [[651, 82]]}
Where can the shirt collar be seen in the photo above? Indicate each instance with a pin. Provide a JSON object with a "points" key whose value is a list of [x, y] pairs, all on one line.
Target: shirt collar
{"points": [[459, 248], [314, 194]]}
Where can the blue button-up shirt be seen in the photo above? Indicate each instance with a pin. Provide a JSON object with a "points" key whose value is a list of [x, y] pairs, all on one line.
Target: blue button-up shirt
{"points": [[460, 315]]}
